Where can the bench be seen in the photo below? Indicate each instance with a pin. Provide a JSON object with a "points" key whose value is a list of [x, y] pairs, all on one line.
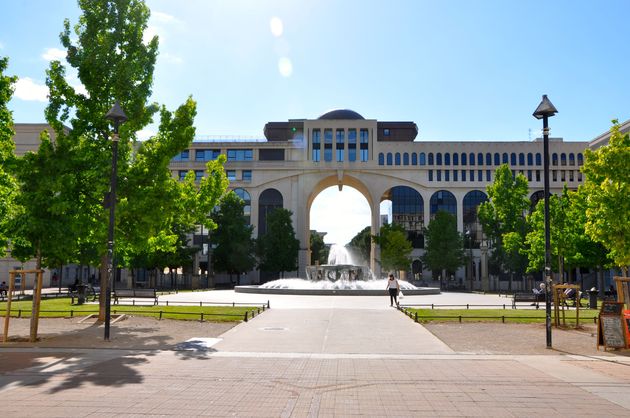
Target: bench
{"points": [[136, 294], [533, 298], [90, 291]]}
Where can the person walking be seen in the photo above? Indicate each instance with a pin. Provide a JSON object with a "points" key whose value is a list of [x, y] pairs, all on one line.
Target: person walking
{"points": [[393, 287]]}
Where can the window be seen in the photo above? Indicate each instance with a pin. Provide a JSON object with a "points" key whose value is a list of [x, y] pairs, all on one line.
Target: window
{"points": [[182, 174], [455, 173], [247, 209], [563, 159], [271, 154], [579, 176], [479, 159], [530, 159], [571, 159], [537, 175], [554, 175], [447, 159], [571, 175], [231, 174], [439, 175], [430, 175], [316, 145], [397, 158], [389, 158], [422, 158], [352, 145], [563, 176], [529, 175], [198, 175], [341, 138], [381, 159], [580, 159], [554, 159], [471, 159], [513, 159], [240, 155], [538, 159], [463, 175], [182, 156], [497, 159], [521, 159], [443, 201], [414, 158], [479, 175], [207, 154], [472, 175], [385, 132], [364, 144], [438, 158], [430, 158], [464, 159], [247, 175], [455, 159], [488, 176], [328, 154], [406, 158], [488, 159], [447, 175]]}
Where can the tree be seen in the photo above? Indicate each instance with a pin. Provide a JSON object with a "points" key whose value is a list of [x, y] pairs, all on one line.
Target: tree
{"points": [[503, 222], [607, 185], [395, 247], [444, 249], [8, 186], [319, 250], [234, 253], [278, 248], [361, 244]]}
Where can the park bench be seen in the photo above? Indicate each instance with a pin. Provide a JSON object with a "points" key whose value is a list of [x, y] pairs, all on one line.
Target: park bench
{"points": [[532, 298], [136, 294], [90, 292]]}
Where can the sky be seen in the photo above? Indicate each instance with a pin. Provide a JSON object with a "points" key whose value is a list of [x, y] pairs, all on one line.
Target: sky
{"points": [[461, 70]]}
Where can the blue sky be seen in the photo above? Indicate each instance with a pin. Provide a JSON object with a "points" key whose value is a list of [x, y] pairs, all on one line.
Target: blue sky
{"points": [[462, 70]]}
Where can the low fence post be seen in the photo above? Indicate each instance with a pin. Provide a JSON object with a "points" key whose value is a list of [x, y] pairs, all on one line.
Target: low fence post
{"points": [[202, 317], [160, 315], [245, 316], [416, 316]]}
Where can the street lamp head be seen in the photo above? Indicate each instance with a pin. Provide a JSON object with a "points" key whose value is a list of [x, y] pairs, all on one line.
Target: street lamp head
{"points": [[116, 115], [545, 108]]}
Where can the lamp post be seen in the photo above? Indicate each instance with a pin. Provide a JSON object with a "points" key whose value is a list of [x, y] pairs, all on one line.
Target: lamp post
{"points": [[117, 116], [544, 111]]}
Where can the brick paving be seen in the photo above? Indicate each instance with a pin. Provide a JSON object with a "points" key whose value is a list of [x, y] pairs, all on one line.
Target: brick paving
{"points": [[312, 363]]}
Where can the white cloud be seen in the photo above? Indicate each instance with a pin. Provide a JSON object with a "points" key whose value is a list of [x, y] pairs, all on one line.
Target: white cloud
{"points": [[29, 90], [52, 54]]}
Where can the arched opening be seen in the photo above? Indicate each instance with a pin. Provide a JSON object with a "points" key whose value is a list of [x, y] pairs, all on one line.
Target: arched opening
{"points": [[407, 209], [269, 200], [247, 209], [443, 200], [472, 227]]}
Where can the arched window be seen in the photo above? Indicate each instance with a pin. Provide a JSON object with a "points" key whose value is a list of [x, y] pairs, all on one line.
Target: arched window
{"points": [[389, 158], [464, 159], [504, 158], [538, 159], [247, 209], [423, 158], [414, 158], [438, 158], [269, 200], [488, 158], [472, 227], [513, 159], [408, 211], [521, 159], [431, 158], [479, 159], [471, 159], [554, 159], [455, 158], [406, 158], [534, 198], [447, 158], [530, 159], [381, 159], [571, 159], [397, 158], [563, 159], [443, 200], [580, 159], [497, 159]]}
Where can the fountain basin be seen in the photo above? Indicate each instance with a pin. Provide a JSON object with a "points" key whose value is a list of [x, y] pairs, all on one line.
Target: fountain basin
{"points": [[333, 291]]}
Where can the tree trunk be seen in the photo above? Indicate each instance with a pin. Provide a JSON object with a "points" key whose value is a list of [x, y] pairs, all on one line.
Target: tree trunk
{"points": [[104, 288]]}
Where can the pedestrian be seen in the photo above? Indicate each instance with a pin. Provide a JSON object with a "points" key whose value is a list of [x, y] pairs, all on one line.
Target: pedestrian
{"points": [[393, 287]]}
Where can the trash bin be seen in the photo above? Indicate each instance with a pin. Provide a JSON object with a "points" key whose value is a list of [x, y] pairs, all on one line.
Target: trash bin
{"points": [[81, 293], [592, 299]]}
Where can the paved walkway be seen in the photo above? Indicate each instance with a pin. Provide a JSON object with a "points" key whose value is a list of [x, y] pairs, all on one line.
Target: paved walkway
{"points": [[309, 362]]}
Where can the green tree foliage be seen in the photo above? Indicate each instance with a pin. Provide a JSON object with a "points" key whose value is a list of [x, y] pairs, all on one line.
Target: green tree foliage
{"points": [[361, 244], [319, 250], [444, 244], [278, 248], [503, 221], [8, 186], [234, 253], [395, 248], [608, 186]]}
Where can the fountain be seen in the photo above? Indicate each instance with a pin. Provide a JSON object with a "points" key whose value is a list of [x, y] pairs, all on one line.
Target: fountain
{"points": [[340, 276]]}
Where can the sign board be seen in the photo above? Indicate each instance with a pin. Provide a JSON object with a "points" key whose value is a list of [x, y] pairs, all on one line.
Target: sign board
{"points": [[611, 331]]}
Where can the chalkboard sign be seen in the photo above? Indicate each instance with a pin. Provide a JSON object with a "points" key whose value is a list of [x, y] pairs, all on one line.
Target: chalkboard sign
{"points": [[613, 331], [611, 308]]}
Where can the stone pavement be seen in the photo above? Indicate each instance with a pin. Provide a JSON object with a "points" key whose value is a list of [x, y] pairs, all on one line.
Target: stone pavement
{"points": [[311, 362]]}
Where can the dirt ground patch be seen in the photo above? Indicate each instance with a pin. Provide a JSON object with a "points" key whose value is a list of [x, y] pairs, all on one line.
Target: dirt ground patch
{"points": [[134, 332], [493, 338]]}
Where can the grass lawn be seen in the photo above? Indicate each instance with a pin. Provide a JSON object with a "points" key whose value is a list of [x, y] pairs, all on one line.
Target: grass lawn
{"points": [[61, 307], [493, 315]]}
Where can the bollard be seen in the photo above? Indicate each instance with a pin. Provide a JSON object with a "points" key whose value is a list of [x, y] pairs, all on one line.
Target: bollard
{"points": [[504, 306], [467, 306], [167, 303], [133, 302], [160, 315], [503, 319], [268, 305], [233, 304], [460, 319], [245, 316], [19, 313], [431, 306], [200, 304], [202, 317], [71, 313]]}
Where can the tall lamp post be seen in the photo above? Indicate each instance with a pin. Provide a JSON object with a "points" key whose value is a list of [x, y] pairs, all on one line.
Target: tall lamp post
{"points": [[117, 116], [544, 111]]}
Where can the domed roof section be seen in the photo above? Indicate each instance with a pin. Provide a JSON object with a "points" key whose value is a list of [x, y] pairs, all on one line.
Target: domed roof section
{"points": [[341, 114]]}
